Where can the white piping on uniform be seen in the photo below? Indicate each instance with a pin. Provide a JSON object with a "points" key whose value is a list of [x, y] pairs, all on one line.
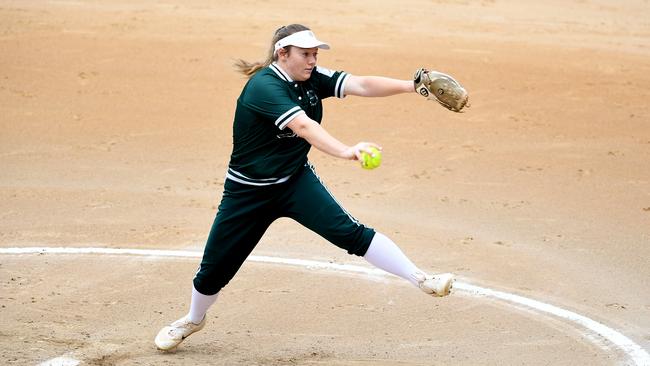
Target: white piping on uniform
{"points": [[340, 83], [281, 124], [325, 71], [313, 170], [253, 181], [281, 73], [291, 118]]}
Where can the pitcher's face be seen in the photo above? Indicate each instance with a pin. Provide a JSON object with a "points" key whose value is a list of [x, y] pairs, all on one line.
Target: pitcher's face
{"points": [[299, 62]]}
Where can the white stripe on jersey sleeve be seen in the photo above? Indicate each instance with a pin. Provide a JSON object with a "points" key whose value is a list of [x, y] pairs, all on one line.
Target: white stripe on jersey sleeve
{"points": [[339, 88], [288, 116]]}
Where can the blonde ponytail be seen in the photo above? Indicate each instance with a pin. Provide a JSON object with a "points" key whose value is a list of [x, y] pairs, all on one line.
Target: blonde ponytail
{"points": [[250, 68]]}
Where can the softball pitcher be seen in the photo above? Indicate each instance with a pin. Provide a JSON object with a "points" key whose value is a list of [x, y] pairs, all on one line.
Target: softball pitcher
{"points": [[276, 122]]}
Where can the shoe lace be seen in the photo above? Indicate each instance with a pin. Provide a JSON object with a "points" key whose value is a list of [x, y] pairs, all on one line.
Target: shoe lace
{"points": [[179, 327]]}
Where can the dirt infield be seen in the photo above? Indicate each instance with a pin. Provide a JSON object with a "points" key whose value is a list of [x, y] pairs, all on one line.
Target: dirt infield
{"points": [[115, 131]]}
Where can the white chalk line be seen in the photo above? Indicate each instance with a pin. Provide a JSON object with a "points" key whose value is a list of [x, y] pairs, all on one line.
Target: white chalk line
{"points": [[596, 331], [60, 361]]}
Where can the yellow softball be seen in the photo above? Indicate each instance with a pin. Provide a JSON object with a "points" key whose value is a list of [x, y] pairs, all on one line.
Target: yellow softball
{"points": [[372, 160]]}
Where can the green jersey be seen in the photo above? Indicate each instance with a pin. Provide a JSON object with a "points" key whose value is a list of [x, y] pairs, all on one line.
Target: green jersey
{"points": [[264, 151]]}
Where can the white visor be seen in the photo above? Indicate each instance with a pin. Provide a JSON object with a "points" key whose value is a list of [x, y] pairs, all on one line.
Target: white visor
{"points": [[302, 39]]}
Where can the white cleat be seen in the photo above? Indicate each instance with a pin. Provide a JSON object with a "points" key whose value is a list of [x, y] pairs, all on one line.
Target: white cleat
{"points": [[436, 285], [172, 335]]}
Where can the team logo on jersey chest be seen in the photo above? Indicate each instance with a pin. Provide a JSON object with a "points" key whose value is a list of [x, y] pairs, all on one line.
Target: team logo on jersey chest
{"points": [[312, 98]]}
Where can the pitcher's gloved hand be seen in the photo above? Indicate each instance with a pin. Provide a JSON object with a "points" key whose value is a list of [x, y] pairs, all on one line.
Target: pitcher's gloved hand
{"points": [[442, 88]]}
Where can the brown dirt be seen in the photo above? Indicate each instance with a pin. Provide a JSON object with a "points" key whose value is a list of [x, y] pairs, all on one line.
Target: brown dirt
{"points": [[116, 129]]}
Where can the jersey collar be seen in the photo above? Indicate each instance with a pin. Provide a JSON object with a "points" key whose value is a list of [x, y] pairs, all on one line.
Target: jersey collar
{"points": [[281, 73]]}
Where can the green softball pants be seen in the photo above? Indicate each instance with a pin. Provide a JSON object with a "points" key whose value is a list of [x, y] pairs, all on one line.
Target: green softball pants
{"points": [[246, 212]]}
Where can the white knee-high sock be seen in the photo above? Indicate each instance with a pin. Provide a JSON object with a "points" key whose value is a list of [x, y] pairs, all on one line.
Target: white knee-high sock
{"points": [[383, 253], [200, 305]]}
